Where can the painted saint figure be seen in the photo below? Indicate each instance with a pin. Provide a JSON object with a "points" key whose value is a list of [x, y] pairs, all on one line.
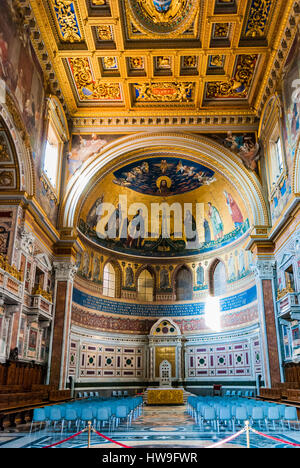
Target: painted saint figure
{"points": [[95, 213], [217, 223], [200, 275], [207, 234], [234, 210], [164, 279], [129, 281]]}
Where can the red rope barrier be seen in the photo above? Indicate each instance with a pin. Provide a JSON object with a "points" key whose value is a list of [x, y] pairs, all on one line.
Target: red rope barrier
{"points": [[229, 439], [65, 440], [110, 440], [274, 438]]}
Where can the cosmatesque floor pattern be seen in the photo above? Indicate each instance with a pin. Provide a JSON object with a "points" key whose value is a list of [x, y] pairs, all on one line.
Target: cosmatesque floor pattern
{"points": [[158, 427]]}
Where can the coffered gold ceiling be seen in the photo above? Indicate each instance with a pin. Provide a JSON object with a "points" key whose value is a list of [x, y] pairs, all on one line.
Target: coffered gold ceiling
{"points": [[141, 57]]}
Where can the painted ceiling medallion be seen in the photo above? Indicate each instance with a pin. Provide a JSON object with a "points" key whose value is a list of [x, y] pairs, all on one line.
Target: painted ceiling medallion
{"points": [[161, 17]]}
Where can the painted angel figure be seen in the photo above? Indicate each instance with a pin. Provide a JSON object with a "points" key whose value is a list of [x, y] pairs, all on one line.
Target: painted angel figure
{"points": [[249, 153]]}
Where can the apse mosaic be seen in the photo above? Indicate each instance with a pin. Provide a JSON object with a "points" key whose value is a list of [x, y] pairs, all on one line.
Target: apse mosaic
{"points": [[202, 199], [161, 177]]}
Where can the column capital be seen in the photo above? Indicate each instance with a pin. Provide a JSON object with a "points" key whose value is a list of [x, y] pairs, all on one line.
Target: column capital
{"points": [[264, 269], [11, 309], [64, 271]]}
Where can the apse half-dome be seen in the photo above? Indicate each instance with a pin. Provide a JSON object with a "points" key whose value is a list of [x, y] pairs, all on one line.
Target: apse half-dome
{"points": [[163, 206]]}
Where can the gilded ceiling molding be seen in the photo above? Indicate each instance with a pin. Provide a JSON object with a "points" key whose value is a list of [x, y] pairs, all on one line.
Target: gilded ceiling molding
{"points": [[200, 148], [67, 21], [285, 38], [230, 121]]}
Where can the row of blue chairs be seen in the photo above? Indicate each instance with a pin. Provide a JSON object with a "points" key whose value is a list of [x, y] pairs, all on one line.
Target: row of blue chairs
{"points": [[232, 412], [101, 413], [239, 393], [115, 393]]}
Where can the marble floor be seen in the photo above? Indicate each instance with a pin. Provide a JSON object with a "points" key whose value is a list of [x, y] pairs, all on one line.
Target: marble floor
{"points": [[158, 427]]}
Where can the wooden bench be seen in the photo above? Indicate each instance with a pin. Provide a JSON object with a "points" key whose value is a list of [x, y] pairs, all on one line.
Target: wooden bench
{"points": [[22, 405], [13, 389], [59, 395], [293, 396], [270, 393]]}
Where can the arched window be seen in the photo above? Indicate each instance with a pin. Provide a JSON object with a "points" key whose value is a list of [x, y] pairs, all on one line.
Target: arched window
{"points": [[146, 286], [57, 136], [184, 285], [109, 281], [218, 283]]}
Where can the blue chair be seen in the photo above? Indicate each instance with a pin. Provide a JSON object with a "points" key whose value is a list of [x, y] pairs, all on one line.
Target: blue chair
{"points": [[86, 416], [273, 416], [290, 415], [225, 417], [103, 417], [257, 416], [54, 416], [121, 414], [210, 417], [241, 415], [70, 417], [39, 416]]}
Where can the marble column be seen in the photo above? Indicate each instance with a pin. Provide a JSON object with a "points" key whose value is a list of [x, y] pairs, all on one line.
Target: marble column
{"points": [[271, 351], [15, 326], [10, 311], [178, 362], [151, 364], [59, 348]]}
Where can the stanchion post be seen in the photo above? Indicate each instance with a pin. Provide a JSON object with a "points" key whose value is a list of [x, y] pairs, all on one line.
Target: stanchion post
{"points": [[89, 434], [248, 434]]}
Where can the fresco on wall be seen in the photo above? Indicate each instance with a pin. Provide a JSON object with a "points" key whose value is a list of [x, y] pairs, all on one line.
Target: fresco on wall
{"points": [[245, 145], [83, 147], [291, 93], [223, 218], [290, 128], [21, 72], [22, 84]]}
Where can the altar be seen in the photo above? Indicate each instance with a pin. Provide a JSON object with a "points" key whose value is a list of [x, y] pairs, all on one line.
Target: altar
{"points": [[164, 396]]}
